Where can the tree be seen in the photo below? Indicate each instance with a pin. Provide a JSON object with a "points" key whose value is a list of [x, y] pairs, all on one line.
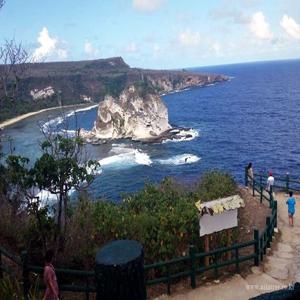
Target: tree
{"points": [[14, 61], [61, 167]]}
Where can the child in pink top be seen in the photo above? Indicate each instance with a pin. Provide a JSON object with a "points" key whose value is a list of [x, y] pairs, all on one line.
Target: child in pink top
{"points": [[50, 278]]}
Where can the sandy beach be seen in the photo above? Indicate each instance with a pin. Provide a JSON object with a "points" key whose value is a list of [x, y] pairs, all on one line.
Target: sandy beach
{"points": [[30, 114]]}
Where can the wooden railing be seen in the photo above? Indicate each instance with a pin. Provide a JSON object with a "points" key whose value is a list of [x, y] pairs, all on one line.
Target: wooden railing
{"points": [[284, 183], [191, 265]]}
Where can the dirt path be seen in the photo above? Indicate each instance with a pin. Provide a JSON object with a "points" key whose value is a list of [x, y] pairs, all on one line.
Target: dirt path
{"points": [[280, 267], [284, 263]]}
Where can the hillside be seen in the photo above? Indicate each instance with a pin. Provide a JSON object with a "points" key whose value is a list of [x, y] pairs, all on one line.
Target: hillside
{"points": [[62, 83]]}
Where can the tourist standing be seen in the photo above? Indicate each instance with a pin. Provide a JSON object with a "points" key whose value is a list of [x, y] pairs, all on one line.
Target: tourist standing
{"points": [[291, 202], [250, 174], [270, 181], [50, 278]]}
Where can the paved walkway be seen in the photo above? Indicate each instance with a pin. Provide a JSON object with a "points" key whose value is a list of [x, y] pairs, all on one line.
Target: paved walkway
{"points": [[281, 266]]}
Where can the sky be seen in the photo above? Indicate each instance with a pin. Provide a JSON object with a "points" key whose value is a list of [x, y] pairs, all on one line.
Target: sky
{"points": [[160, 34]]}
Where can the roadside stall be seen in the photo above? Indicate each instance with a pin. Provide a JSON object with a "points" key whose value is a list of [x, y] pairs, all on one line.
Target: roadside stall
{"points": [[218, 215]]}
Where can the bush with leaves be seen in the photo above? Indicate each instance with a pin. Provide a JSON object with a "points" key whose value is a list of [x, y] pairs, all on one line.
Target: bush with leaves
{"points": [[216, 184], [163, 218], [61, 167], [12, 289]]}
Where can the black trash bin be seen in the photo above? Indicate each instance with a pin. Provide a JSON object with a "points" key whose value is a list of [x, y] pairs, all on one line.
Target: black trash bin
{"points": [[120, 271]]}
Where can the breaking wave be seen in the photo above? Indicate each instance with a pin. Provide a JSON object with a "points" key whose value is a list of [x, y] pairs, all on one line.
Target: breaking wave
{"points": [[183, 135], [130, 158], [52, 124], [181, 159]]}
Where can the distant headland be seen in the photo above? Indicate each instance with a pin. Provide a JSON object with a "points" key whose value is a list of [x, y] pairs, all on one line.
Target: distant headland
{"points": [[53, 84]]}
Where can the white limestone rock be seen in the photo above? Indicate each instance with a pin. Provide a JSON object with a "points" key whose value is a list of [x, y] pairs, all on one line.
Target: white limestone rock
{"points": [[130, 116], [42, 94]]}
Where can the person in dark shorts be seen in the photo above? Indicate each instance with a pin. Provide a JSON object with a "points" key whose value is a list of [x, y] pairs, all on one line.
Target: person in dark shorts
{"points": [[291, 203]]}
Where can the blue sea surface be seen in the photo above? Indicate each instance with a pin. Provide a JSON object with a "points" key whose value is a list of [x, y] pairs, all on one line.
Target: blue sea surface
{"points": [[254, 117]]}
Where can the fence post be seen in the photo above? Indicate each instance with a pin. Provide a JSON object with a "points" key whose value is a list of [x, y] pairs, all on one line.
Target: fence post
{"points": [[87, 293], [237, 262], [261, 188], [1, 265], [261, 247], [275, 210], [287, 183], [246, 176], [25, 274], [256, 247], [169, 280], [193, 269], [271, 196], [269, 236]]}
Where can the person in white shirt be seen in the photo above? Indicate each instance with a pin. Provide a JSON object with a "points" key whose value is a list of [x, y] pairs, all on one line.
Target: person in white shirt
{"points": [[270, 181]]}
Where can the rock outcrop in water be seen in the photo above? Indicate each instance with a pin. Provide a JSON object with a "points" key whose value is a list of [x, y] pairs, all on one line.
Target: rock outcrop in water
{"points": [[131, 115]]}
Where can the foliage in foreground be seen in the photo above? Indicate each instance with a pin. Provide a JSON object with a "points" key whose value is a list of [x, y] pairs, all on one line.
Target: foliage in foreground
{"points": [[12, 289], [162, 217], [215, 185]]}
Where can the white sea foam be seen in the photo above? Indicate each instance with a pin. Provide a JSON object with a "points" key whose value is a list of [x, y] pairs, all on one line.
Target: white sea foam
{"points": [[47, 198], [127, 159], [72, 113], [121, 148], [142, 158], [183, 135], [52, 124], [181, 159], [94, 171]]}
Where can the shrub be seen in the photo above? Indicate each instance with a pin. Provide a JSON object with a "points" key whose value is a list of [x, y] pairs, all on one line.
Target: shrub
{"points": [[11, 289], [216, 184], [163, 218]]}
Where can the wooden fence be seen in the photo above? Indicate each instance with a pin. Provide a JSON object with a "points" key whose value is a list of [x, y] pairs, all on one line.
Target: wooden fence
{"points": [[191, 265]]}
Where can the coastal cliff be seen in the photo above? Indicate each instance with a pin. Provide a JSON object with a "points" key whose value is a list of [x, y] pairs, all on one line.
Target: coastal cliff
{"points": [[131, 115], [81, 82]]}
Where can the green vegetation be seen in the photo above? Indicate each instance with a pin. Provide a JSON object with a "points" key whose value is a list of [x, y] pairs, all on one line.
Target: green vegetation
{"points": [[59, 169], [12, 289], [144, 87], [13, 109], [162, 217], [114, 85], [216, 185]]}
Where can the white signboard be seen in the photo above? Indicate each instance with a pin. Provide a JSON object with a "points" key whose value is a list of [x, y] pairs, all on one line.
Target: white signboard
{"points": [[217, 222]]}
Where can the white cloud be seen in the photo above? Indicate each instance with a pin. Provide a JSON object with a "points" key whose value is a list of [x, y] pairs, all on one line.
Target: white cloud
{"points": [[90, 50], [260, 27], [156, 48], [189, 38], [62, 53], [291, 27], [147, 5], [216, 47], [48, 47], [131, 48]]}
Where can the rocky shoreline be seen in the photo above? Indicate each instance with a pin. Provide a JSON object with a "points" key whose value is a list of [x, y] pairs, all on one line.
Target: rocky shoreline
{"points": [[136, 116], [172, 134]]}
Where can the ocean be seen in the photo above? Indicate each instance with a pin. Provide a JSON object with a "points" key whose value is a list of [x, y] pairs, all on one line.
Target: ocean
{"points": [[254, 117]]}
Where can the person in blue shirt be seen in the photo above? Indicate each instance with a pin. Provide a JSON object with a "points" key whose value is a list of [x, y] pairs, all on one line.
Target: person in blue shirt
{"points": [[291, 202]]}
